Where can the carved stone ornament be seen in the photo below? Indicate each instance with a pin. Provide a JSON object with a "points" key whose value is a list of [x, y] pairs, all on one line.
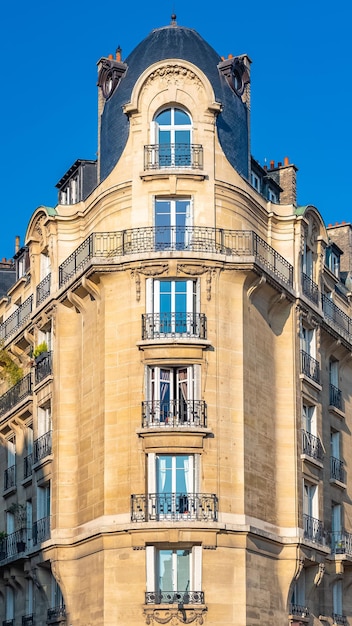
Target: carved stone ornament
{"points": [[236, 74], [173, 73], [175, 615], [109, 76]]}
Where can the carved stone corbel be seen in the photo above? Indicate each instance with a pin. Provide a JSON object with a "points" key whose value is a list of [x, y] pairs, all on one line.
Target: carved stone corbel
{"points": [[258, 282], [91, 288], [76, 302], [319, 575]]}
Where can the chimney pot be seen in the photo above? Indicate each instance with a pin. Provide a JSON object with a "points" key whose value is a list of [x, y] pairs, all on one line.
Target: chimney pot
{"points": [[279, 164], [17, 243], [272, 165], [286, 161]]}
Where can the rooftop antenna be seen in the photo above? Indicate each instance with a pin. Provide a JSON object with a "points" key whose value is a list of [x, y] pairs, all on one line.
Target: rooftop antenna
{"points": [[173, 15]]}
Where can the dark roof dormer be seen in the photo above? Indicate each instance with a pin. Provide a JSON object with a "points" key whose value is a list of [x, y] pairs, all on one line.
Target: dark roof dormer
{"points": [[78, 182]]}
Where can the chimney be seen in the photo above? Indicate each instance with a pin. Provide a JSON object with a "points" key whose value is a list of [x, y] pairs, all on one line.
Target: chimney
{"points": [[17, 244], [118, 54], [285, 176]]}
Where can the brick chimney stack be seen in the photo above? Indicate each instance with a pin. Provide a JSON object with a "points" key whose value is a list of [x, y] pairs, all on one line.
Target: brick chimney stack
{"points": [[285, 176]]}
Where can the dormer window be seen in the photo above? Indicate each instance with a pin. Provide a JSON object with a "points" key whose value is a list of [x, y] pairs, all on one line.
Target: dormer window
{"points": [[332, 259], [22, 262], [255, 181]]}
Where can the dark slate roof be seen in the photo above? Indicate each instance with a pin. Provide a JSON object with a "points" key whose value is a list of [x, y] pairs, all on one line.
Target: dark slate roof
{"points": [[179, 43], [7, 279]]}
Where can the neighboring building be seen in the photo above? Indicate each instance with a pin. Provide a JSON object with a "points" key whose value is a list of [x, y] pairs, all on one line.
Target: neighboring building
{"points": [[178, 449]]}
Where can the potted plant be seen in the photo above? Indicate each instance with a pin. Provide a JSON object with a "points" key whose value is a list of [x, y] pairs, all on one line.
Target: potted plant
{"points": [[40, 351], [9, 369], [20, 513]]}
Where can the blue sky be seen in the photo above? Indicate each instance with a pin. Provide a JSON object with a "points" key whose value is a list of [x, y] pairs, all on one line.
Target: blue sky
{"points": [[301, 89]]}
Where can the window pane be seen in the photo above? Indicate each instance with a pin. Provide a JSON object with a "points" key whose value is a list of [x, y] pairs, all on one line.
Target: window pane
{"points": [[165, 570], [183, 573], [164, 117], [181, 117]]}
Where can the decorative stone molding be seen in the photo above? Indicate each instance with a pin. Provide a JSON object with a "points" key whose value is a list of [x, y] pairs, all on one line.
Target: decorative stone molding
{"points": [[109, 77], [175, 73], [319, 575], [175, 615]]}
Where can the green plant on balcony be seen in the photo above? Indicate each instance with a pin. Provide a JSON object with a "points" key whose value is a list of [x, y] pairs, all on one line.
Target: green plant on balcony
{"points": [[40, 351], [10, 371]]}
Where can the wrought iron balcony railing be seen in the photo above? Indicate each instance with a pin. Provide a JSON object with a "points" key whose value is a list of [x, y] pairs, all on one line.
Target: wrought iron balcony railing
{"points": [[174, 506], [175, 413], [336, 317], [311, 446], [313, 529], [56, 613], [41, 530], [43, 289], [337, 471], [43, 368], [8, 622], [27, 620], [159, 325], [13, 545], [174, 597], [240, 243], [27, 465], [310, 367], [335, 397], [299, 610], [42, 447], [15, 321], [16, 394], [341, 542], [339, 619], [174, 155], [310, 289], [10, 477]]}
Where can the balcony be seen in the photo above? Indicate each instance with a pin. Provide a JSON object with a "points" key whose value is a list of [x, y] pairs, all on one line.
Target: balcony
{"points": [[16, 394], [27, 620], [311, 446], [337, 471], [15, 321], [310, 367], [199, 507], [41, 530], [43, 368], [10, 477], [310, 289], [174, 414], [341, 542], [42, 447], [313, 530], [335, 397], [161, 325], [339, 619], [240, 243], [173, 156], [299, 611], [8, 622], [174, 597], [13, 545], [27, 465], [336, 317], [56, 614], [43, 290]]}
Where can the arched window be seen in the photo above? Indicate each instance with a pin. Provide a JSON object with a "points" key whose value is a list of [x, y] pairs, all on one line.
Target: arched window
{"points": [[172, 130]]}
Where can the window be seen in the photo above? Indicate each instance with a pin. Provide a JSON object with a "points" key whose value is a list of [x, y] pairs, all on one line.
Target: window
{"points": [[44, 419], [172, 219], [298, 599], [337, 600], [172, 478], [174, 575], [310, 500], [10, 472], [173, 395], [44, 265], [29, 597], [29, 520], [307, 261], [336, 528], [311, 444], [272, 196], [313, 528], [309, 364], [172, 309], [337, 471], [172, 132], [10, 522], [10, 603], [308, 341], [332, 260], [255, 181], [43, 501]]}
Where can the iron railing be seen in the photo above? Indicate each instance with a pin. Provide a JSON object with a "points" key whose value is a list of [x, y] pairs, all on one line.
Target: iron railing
{"points": [[174, 506], [10, 477], [41, 530], [174, 413], [16, 394], [8, 622], [339, 619], [310, 367], [311, 446], [56, 613], [43, 368], [15, 543], [16, 319], [158, 325], [337, 471], [341, 542], [299, 610], [335, 397], [188, 238], [27, 465], [43, 289], [27, 620], [310, 289], [337, 318], [313, 529], [42, 447], [174, 597], [174, 155]]}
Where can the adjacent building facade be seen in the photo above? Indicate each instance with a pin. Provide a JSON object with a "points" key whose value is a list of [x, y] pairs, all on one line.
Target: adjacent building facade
{"points": [[175, 400]]}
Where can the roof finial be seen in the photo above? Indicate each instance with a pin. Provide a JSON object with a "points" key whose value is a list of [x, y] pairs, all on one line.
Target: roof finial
{"points": [[173, 19]]}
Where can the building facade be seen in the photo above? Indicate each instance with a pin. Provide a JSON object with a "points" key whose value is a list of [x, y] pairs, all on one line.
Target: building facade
{"points": [[175, 408]]}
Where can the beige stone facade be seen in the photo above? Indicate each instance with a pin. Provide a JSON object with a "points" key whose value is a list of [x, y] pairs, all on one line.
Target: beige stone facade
{"points": [[180, 450]]}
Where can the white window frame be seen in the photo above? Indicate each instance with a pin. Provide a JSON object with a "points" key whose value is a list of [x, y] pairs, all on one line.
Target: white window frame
{"points": [[334, 372], [152, 563], [172, 128], [43, 501], [308, 341], [44, 420], [255, 181], [310, 499]]}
